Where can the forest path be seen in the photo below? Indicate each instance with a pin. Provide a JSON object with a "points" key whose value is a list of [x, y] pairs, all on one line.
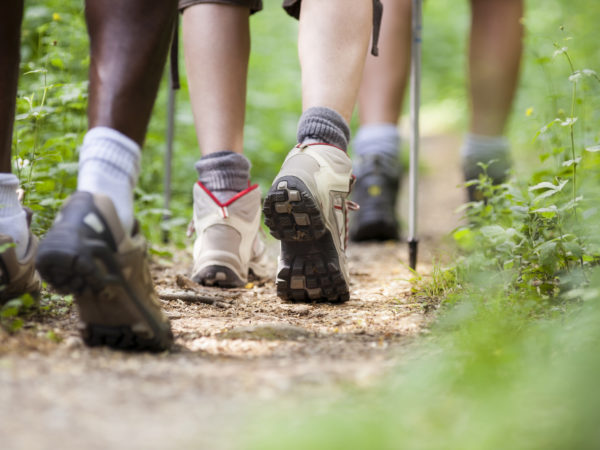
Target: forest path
{"points": [[246, 347]]}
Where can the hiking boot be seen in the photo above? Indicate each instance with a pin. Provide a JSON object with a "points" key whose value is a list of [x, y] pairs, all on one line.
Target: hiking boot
{"points": [[18, 276], [228, 248], [376, 191], [88, 254], [306, 210]]}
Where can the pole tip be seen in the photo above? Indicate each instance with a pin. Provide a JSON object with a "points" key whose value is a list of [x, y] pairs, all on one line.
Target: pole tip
{"points": [[412, 253]]}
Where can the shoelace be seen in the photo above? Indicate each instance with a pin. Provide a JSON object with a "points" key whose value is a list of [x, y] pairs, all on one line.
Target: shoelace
{"points": [[191, 229], [349, 206]]}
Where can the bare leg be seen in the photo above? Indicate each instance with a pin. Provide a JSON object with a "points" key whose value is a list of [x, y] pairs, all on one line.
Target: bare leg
{"points": [[494, 59], [217, 47], [11, 14], [333, 41], [385, 77], [129, 42], [97, 261]]}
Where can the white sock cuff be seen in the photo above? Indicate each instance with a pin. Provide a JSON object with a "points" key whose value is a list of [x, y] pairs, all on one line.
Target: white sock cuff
{"points": [[9, 180], [9, 200], [114, 151]]}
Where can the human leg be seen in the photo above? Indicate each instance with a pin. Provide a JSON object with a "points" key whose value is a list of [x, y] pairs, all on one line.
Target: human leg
{"points": [[17, 269], [307, 205], [376, 145], [494, 60], [127, 60], [217, 47], [91, 251], [226, 209]]}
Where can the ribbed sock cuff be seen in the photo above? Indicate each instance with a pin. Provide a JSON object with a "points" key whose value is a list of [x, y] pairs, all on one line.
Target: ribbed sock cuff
{"points": [[111, 152], [9, 200], [224, 171], [320, 124]]}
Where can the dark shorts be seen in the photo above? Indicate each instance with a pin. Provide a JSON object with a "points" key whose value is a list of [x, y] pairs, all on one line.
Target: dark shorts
{"points": [[293, 9], [291, 6]]}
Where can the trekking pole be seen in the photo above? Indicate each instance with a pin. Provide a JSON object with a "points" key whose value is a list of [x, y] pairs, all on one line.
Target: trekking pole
{"points": [[415, 100], [173, 75]]}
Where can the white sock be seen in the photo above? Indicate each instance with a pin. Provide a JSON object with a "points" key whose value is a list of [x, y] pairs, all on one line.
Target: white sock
{"points": [[13, 221], [109, 164]]}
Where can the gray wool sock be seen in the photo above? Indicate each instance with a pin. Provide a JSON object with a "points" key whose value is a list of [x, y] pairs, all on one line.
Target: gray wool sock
{"points": [[479, 148], [13, 221], [378, 139], [323, 125], [224, 173]]}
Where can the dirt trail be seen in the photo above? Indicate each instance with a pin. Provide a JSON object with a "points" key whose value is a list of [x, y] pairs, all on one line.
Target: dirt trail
{"points": [[230, 355]]}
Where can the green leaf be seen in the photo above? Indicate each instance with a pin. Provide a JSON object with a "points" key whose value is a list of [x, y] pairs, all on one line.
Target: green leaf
{"points": [[593, 148], [542, 185], [548, 213], [560, 51], [464, 237], [572, 162], [568, 121]]}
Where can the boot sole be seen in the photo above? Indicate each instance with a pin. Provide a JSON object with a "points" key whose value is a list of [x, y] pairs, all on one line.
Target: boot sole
{"points": [[309, 268], [87, 269], [219, 276]]}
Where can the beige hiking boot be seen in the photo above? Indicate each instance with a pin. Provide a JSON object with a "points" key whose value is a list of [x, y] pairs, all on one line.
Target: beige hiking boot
{"points": [[87, 253], [228, 248], [306, 209]]}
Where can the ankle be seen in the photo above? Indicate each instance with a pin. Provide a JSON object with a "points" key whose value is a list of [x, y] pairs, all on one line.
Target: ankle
{"points": [[224, 173], [323, 125]]}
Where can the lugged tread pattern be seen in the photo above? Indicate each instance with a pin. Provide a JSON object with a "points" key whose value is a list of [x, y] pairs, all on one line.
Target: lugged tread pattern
{"points": [[309, 267], [310, 272], [291, 212]]}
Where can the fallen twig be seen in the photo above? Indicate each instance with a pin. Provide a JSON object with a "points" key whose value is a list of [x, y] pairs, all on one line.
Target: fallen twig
{"points": [[195, 298]]}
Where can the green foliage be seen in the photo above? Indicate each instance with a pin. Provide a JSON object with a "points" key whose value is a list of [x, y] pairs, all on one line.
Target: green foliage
{"points": [[26, 308], [537, 233], [51, 105]]}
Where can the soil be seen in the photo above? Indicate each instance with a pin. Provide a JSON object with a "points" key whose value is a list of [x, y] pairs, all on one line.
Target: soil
{"points": [[231, 354]]}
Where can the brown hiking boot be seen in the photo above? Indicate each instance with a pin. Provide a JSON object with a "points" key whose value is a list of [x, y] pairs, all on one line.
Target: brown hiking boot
{"points": [[87, 253], [18, 277]]}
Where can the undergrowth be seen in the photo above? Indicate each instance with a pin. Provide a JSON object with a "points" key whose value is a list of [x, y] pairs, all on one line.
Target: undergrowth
{"points": [[512, 360]]}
